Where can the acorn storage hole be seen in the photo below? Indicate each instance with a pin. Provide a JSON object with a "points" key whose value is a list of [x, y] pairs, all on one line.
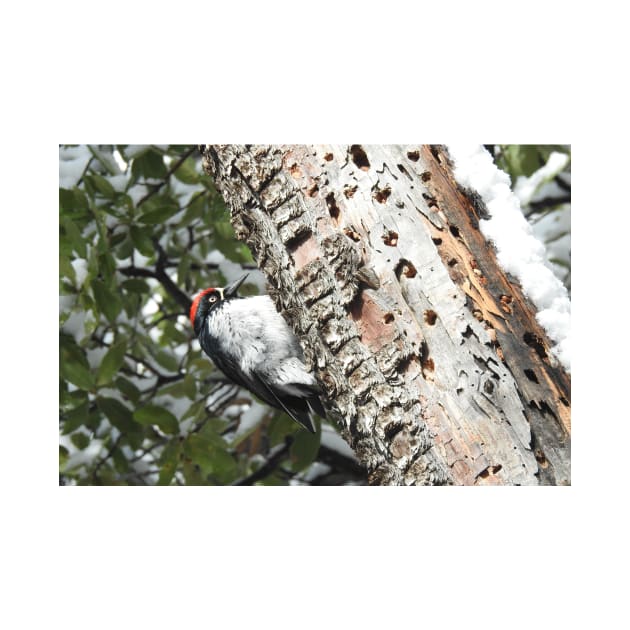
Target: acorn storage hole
{"points": [[388, 318], [531, 375], [430, 317], [405, 268], [359, 157], [382, 195], [333, 208], [414, 156], [390, 238]]}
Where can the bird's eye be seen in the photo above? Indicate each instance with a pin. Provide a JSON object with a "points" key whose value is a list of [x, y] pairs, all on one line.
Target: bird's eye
{"points": [[212, 298]]}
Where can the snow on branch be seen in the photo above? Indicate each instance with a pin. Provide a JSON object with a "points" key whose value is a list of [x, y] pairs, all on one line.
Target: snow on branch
{"points": [[519, 252]]}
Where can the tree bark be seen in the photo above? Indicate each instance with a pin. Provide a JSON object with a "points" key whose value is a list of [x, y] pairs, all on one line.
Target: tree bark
{"points": [[430, 358]]}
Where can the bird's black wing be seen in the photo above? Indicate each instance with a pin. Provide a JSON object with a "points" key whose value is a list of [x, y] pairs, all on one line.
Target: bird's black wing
{"points": [[295, 406]]}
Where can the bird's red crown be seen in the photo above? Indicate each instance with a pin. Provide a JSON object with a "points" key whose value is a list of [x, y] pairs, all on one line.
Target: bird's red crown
{"points": [[195, 303]]}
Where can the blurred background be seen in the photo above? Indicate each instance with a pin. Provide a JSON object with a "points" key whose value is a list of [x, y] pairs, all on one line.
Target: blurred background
{"points": [[141, 230]]}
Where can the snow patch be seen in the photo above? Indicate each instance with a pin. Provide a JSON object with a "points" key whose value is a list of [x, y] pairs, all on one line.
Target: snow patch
{"points": [[72, 164], [526, 187], [519, 252], [80, 267]]}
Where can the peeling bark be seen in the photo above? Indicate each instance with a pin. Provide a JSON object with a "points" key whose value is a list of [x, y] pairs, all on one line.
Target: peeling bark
{"points": [[430, 357]]}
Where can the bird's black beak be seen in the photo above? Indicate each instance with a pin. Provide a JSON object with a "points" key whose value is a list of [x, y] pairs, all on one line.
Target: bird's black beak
{"points": [[232, 288]]}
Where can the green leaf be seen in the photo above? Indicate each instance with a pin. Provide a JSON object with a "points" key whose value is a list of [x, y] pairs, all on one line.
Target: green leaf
{"points": [[152, 414], [149, 164], [125, 249], [120, 461], [168, 461], [165, 359], [172, 334], [158, 215], [128, 389], [80, 440], [75, 372], [66, 269], [200, 451], [102, 186], [521, 159], [183, 268], [119, 415], [73, 234], [111, 363], [141, 238], [186, 172], [73, 202], [106, 265], [304, 449], [195, 210], [196, 410], [107, 302], [76, 418], [135, 285]]}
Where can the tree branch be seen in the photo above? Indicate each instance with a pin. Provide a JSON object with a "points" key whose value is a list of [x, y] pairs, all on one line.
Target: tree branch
{"points": [[273, 461]]}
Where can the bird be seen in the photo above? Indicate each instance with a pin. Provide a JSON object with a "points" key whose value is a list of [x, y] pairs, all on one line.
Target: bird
{"points": [[251, 343]]}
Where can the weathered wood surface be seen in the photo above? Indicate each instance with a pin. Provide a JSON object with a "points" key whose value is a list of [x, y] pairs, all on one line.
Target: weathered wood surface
{"points": [[431, 360]]}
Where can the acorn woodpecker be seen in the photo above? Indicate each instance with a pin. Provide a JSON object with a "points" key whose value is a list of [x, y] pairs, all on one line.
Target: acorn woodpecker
{"points": [[249, 341]]}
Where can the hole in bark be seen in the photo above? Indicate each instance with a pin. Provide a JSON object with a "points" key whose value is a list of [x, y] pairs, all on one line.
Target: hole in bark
{"points": [[454, 231], [430, 317], [564, 401], [540, 458], [452, 262], [490, 470], [389, 318], [430, 199], [295, 170], [390, 238], [506, 300], [488, 387], [350, 233], [535, 342], [328, 157], [531, 375], [437, 241], [313, 190], [382, 195], [393, 429], [426, 176], [545, 408], [402, 169], [333, 208], [414, 156], [359, 157], [294, 243], [349, 191], [405, 268], [426, 362]]}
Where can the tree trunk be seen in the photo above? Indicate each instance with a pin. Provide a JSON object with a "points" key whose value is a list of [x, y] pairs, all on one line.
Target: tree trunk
{"points": [[430, 359]]}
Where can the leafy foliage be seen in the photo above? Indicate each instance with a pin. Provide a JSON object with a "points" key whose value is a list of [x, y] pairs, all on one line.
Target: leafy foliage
{"points": [[141, 229]]}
